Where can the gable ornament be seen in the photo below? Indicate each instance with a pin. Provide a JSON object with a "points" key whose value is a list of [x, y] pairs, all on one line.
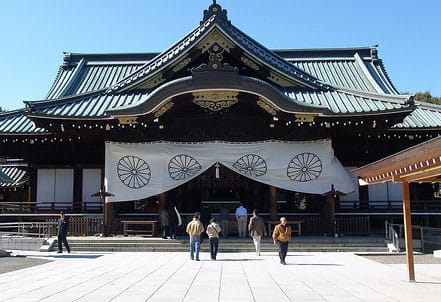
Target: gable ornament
{"points": [[215, 101]]}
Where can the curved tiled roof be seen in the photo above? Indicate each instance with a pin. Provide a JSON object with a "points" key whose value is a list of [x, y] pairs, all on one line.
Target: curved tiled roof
{"points": [[344, 102], [347, 81], [16, 122], [88, 76], [16, 177], [248, 44], [341, 73], [96, 105], [351, 68], [424, 116], [86, 106]]}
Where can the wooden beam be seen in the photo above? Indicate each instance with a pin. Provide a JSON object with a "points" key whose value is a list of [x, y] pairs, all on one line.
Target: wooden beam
{"points": [[421, 175], [408, 232], [378, 180]]}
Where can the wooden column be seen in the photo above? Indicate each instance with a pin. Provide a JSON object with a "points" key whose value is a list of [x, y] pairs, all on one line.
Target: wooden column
{"points": [[107, 216], [328, 214], [78, 190], [408, 232], [273, 203]]}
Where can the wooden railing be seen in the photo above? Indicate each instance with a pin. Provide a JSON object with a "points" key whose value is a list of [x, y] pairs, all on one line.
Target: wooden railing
{"points": [[79, 226], [346, 225], [35, 207], [388, 206]]}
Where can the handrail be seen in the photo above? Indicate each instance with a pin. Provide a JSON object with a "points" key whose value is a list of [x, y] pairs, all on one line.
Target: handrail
{"points": [[423, 234], [392, 235], [43, 228]]}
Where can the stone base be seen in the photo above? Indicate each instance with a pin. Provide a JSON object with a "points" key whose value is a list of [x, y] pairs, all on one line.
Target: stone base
{"points": [[48, 245], [4, 253]]}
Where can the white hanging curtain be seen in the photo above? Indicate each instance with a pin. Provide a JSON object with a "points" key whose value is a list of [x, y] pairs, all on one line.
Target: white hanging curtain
{"points": [[140, 170]]}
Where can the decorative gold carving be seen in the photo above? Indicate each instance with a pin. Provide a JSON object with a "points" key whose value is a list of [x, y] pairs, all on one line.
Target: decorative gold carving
{"points": [[163, 109], [181, 64], [216, 53], [281, 80], [267, 107], [215, 37], [152, 82], [125, 120], [215, 100], [304, 117], [250, 63]]}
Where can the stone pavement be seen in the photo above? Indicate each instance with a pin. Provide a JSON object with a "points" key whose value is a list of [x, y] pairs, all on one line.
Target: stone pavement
{"points": [[233, 277]]}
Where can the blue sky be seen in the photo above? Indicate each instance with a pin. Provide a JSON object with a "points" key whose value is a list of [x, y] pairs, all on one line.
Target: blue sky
{"points": [[34, 34]]}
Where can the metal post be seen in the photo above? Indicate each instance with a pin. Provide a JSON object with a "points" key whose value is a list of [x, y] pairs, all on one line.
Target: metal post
{"points": [[408, 232]]}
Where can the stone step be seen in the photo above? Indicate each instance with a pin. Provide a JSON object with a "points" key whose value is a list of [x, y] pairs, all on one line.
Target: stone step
{"points": [[227, 249], [153, 240], [303, 244], [245, 244]]}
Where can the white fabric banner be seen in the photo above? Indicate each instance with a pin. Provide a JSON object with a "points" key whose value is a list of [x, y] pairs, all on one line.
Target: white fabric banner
{"points": [[140, 170]]}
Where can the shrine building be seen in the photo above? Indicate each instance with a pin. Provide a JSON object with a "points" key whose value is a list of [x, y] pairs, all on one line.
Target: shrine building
{"points": [[217, 119]]}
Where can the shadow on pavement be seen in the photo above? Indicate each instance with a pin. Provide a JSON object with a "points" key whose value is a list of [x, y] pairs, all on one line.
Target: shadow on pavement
{"points": [[73, 256], [316, 264], [60, 256], [231, 260]]}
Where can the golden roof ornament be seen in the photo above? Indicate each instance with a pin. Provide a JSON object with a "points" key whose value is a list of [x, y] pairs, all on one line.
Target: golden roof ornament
{"points": [[215, 9]]}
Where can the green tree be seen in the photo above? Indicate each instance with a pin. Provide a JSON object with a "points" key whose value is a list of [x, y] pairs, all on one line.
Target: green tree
{"points": [[427, 97]]}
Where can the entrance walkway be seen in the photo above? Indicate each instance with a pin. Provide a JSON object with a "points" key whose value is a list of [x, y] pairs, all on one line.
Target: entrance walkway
{"points": [[233, 277]]}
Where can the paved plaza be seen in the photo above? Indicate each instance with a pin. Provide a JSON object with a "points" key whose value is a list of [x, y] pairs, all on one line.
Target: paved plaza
{"points": [[233, 277]]}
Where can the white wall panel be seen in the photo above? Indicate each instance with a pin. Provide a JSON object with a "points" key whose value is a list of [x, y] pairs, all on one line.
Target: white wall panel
{"points": [[91, 184], [55, 186], [45, 186]]}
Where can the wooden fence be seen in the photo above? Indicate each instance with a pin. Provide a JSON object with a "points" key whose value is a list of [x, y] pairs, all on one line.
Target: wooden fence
{"points": [[79, 226], [345, 225]]}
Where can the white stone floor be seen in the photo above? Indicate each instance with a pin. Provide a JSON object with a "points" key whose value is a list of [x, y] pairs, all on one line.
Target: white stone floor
{"points": [[233, 277]]}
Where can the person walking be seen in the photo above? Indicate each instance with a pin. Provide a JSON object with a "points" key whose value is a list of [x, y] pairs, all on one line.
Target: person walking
{"points": [[194, 230], [241, 217], [213, 230], [62, 229], [257, 229], [281, 237], [224, 216]]}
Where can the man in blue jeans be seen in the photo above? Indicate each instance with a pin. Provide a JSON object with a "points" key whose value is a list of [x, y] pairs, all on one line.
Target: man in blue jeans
{"points": [[194, 230]]}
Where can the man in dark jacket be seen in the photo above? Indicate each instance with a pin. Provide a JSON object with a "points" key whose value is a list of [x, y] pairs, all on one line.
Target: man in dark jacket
{"points": [[257, 229], [62, 229]]}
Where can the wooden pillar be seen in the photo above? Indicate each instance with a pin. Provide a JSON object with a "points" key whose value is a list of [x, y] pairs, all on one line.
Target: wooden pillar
{"points": [[408, 232], [78, 190], [107, 216], [363, 192], [273, 203], [328, 215]]}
